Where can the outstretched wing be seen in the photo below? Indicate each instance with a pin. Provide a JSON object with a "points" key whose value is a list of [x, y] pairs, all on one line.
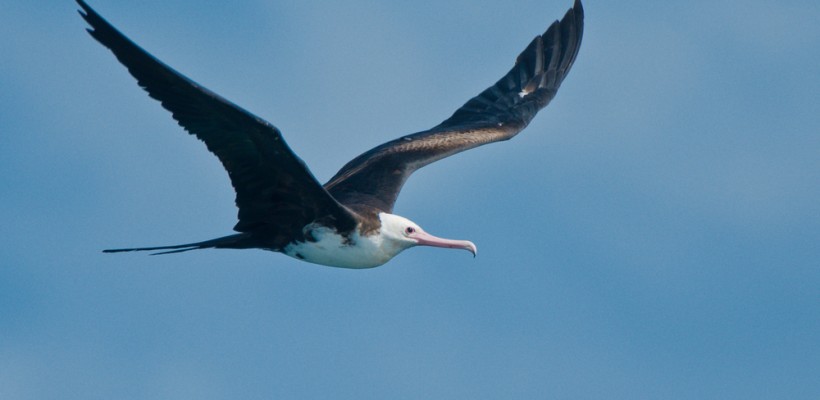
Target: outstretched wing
{"points": [[275, 191], [498, 113]]}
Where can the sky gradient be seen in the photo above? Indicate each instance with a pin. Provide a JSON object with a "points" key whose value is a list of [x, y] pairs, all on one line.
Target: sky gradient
{"points": [[654, 233]]}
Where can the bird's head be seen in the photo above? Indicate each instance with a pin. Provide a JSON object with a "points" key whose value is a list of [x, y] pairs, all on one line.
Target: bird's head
{"points": [[403, 234]]}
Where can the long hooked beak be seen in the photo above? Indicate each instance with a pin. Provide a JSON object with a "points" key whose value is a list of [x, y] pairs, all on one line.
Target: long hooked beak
{"points": [[426, 239]]}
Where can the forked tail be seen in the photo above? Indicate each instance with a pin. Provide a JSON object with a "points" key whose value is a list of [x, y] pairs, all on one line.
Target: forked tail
{"points": [[237, 241]]}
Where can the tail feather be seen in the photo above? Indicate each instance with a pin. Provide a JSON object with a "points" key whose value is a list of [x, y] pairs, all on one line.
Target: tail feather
{"points": [[227, 242]]}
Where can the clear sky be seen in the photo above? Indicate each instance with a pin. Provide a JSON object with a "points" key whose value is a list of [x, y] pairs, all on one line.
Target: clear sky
{"points": [[654, 233]]}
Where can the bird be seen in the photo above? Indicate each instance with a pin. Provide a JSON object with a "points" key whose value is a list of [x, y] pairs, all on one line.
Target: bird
{"points": [[348, 222]]}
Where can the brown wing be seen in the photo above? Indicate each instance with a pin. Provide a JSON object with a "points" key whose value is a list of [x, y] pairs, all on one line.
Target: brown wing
{"points": [[275, 191], [498, 113]]}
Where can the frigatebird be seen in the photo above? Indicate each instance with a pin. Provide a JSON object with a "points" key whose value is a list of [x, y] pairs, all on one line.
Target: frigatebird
{"points": [[348, 222]]}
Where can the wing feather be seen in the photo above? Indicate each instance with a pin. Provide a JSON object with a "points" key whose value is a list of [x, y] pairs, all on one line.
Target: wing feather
{"points": [[275, 191], [498, 113]]}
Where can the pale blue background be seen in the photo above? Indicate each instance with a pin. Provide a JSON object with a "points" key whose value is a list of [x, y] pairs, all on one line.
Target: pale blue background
{"points": [[655, 233]]}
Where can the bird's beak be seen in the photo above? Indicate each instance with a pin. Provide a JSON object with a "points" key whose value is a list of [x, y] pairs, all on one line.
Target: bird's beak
{"points": [[426, 239]]}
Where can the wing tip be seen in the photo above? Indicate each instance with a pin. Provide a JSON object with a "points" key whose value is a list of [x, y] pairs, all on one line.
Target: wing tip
{"points": [[86, 11], [99, 27], [92, 18]]}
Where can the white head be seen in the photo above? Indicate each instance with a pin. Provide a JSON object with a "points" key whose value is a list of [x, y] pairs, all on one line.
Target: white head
{"points": [[400, 233]]}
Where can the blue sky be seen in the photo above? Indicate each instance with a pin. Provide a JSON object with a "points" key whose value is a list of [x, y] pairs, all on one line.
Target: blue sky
{"points": [[654, 233]]}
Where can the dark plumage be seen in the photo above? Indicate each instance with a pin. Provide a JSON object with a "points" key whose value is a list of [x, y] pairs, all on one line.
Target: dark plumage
{"points": [[496, 114], [280, 202]]}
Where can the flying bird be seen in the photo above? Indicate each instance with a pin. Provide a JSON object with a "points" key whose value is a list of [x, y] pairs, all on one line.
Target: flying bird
{"points": [[348, 222]]}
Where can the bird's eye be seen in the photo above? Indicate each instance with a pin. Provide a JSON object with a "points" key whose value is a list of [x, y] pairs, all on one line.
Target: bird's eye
{"points": [[410, 230]]}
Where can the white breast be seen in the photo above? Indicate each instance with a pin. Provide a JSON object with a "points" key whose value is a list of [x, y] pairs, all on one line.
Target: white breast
{"points": [[333, 250]]}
